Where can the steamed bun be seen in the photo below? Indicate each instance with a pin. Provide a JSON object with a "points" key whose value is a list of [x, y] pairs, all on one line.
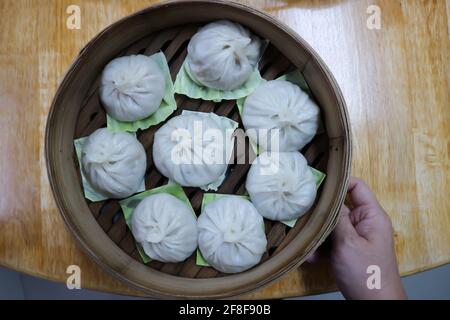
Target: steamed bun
{"points": [[132, 87], [281, 185], [165, 227], [222, 55], [183, 151], [280, 107], [231, 234], [113, 163]]}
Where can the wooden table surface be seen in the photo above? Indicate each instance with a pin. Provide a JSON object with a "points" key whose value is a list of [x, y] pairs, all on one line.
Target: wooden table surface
{"points": [[395, 80]]}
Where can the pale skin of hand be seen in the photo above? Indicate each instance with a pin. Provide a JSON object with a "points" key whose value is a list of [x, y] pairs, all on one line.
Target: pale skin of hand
{"points": [[364, 237]]}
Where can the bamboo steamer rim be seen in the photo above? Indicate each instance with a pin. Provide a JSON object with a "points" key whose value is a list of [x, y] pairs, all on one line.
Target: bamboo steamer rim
{"points": [[77, 215]]}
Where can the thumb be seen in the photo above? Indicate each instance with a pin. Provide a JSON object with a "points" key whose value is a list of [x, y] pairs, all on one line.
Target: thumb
{"points": [[344, 227]]}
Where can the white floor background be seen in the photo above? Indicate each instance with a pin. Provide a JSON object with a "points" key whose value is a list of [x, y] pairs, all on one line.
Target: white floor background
{"points": [[431, 284]]}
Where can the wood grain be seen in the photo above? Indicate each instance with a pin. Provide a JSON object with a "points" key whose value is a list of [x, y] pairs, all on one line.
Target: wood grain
{"points": [[395, 81]]}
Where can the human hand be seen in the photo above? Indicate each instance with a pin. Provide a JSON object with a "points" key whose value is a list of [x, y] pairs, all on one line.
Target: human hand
{"points": [[364, 237]]}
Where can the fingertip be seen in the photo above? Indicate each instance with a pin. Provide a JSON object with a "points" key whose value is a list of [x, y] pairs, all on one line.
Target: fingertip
{"points": [[313, 258], [345, 211], [344, 226], [360, 193], [354, 181], [386, 220]]}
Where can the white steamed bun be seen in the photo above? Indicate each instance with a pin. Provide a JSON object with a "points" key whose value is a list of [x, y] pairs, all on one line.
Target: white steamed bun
{"points": [[189, 156], [231, 234], [113, 163], [281, 185], [222, 55], [165, 227], [279, 104], [132, 87]]}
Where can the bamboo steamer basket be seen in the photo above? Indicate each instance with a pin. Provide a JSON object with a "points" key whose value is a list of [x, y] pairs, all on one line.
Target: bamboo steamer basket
{"points": [[100, 228]]}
